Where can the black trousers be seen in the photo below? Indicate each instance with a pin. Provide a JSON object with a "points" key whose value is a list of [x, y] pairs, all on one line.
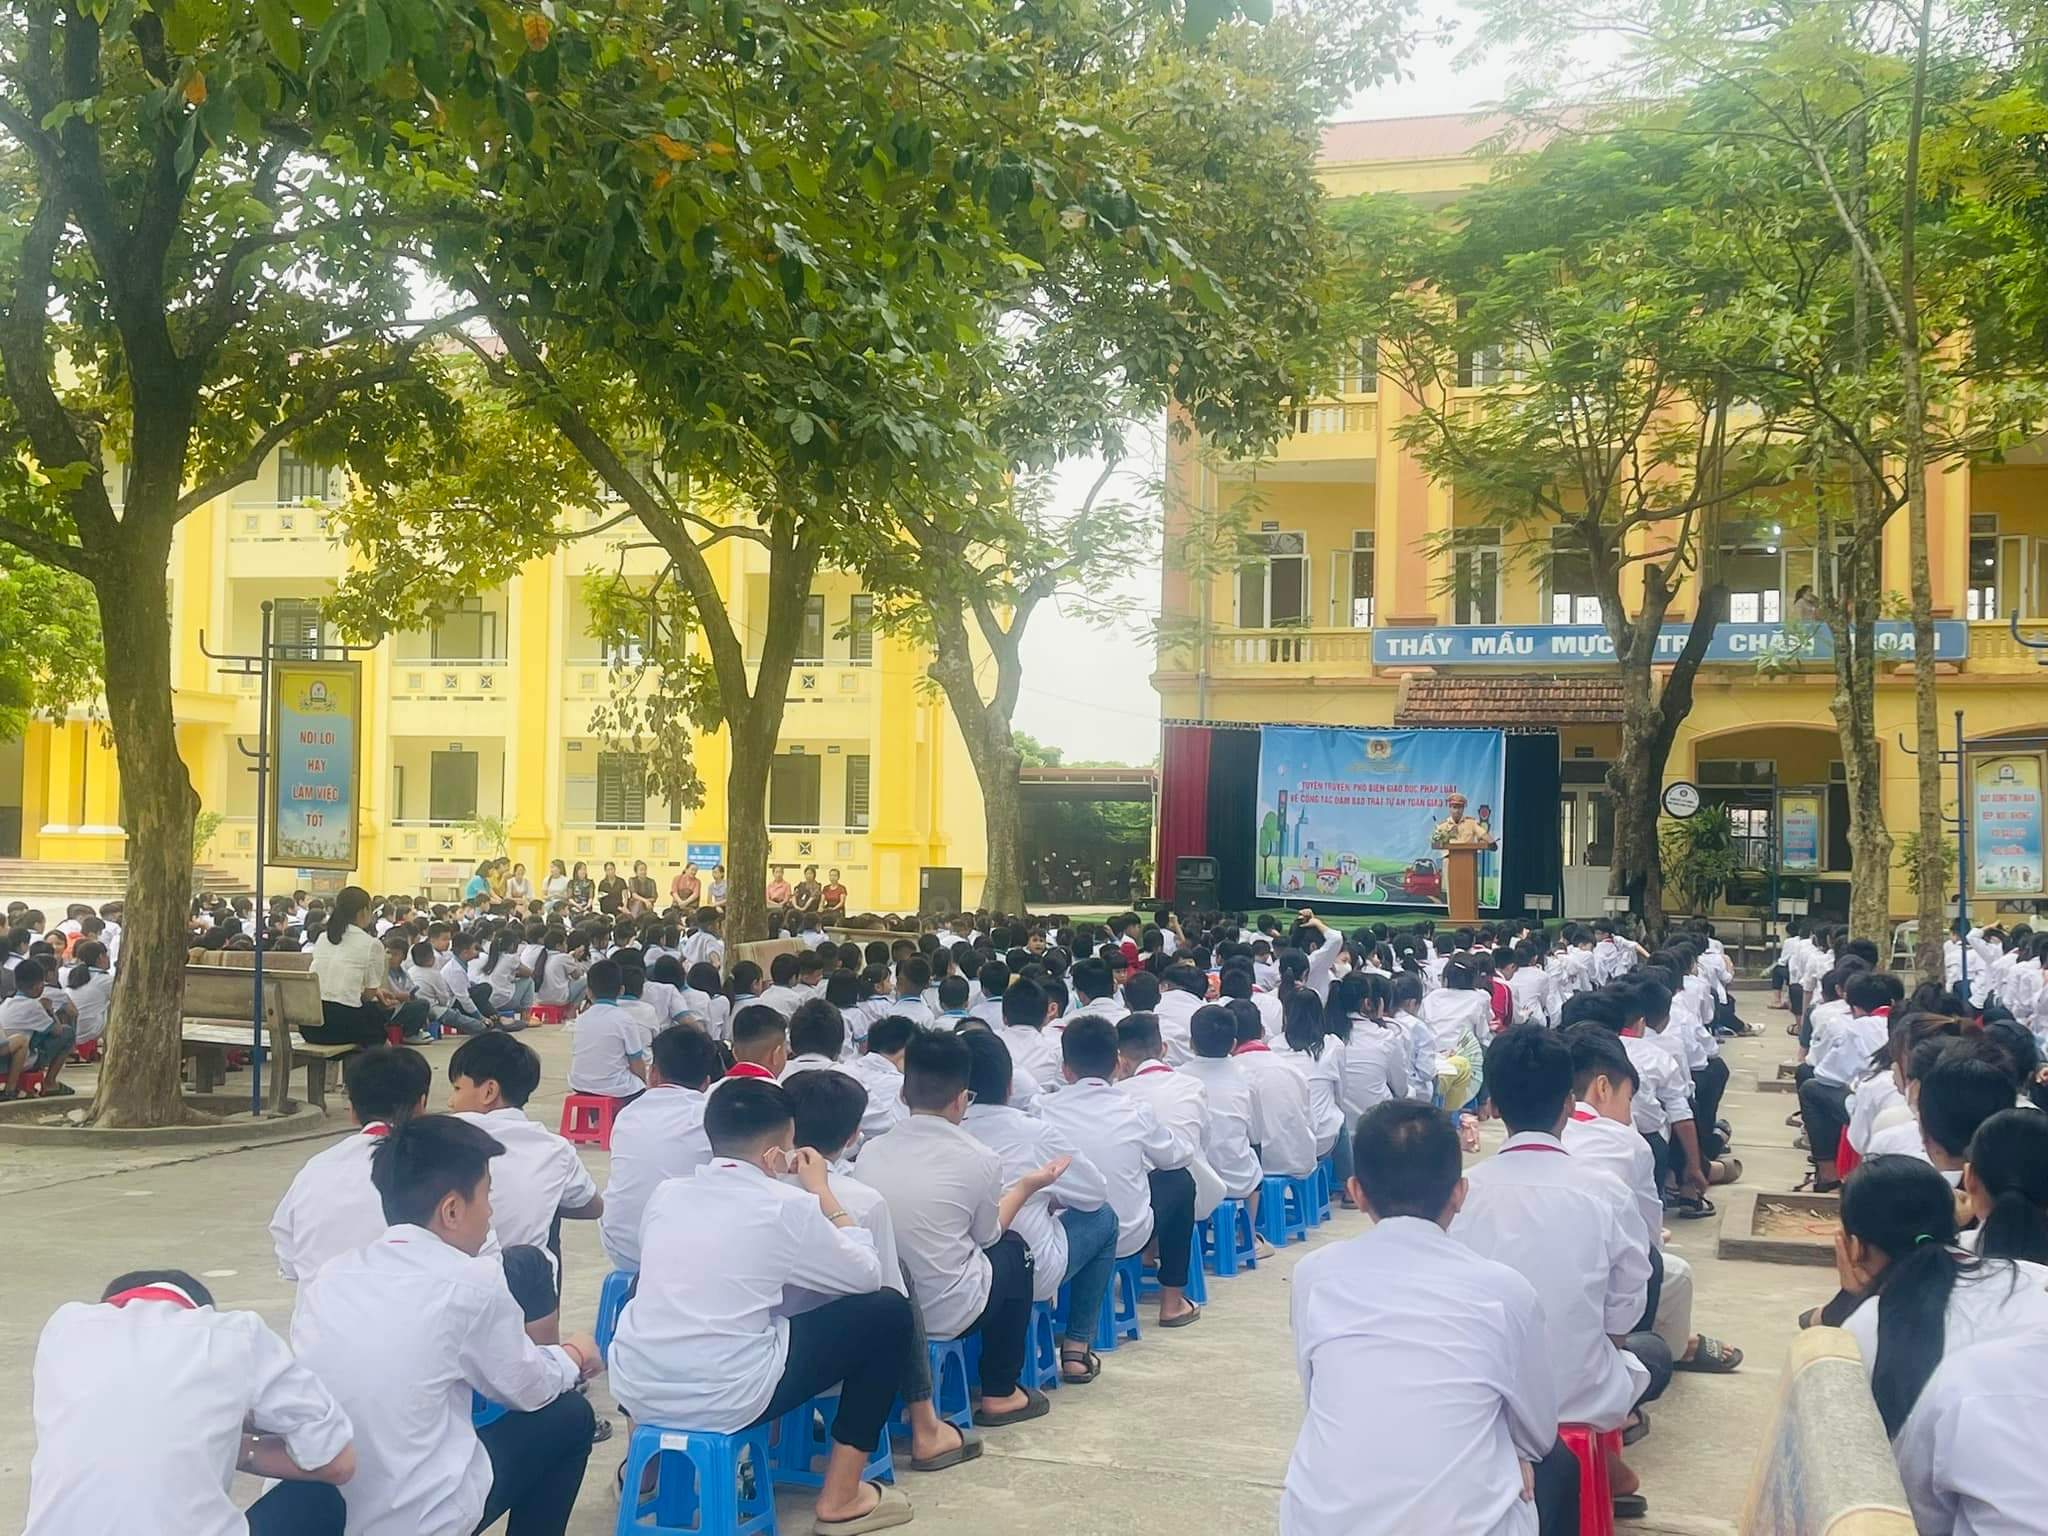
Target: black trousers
{"points": [[1825, 1107], [1660, 1154], [537, 1462], [531, 1280], [363, 1025], [1557, 1493], [1656, 1291], [1655, 1355], [1173, 1221], [856, 1344], [1708, 1084], [1005, 1321]]}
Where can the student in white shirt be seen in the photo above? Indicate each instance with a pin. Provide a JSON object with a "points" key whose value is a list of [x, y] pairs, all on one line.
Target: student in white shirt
{"points": [[1431, 1400], [782, 993], [1070, 1225], [658, 1136], [1846, 1032], [1287, 1140], [1570, 1231], [38, 1025], [879, 1067], [608, 1048], [1969, 1455], [147, 1404], [1094, 993], [1178, 1102], [704, 945], [406, 1331], [817, 1039], [1034, 1054], [1181, 990], [969, 1272], [1233, 1128], [702, 1347], [332, 1207], [1322, 960], [446, 1007], [90, 987], [1318, 1057], [538, 1178], [1459, 1015]]}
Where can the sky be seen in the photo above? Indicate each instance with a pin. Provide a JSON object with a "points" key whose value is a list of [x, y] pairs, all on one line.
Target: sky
{"points": [[1087, 691]]}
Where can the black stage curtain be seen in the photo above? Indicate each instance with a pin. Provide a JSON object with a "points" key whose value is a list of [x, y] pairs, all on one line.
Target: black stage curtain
{"points": [[1532, 853]]}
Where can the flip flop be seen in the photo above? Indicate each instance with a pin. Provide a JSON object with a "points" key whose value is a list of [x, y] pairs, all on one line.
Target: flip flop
{"points": [[1630, 1506], [1035, 1407], [1712, 1358], [1634, 1432], [1725, 1170], [891, 1510], [1691, 1208], [967, 1450], [1187, 1319]]}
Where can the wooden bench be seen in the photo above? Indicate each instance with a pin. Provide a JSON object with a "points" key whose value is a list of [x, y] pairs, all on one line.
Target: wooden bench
{"points": [[218, 1002]]}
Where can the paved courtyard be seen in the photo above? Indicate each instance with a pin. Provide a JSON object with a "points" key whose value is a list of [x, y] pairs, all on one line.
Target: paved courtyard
{"points": [[1185, 1432]]}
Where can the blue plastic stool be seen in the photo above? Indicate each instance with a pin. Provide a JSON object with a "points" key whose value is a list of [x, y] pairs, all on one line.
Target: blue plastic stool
{"points": [[697, 1484], [1119, 1320], [805, 1439], [1197, 1289], [1325, 1178], [483, 1411], [951, 1391], [1225, 1235], [611, 1301], [1284, 1204], [1042, 1356]]}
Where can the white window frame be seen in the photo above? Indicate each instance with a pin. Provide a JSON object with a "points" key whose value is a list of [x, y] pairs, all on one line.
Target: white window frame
{"points": [[1344, 603], [1468, 544], [1273, 541]]}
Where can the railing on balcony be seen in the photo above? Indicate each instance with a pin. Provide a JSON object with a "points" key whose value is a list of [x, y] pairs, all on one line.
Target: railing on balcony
{"points": [[469, 681], [277, 522], [1323, 418], [1309, 649]]}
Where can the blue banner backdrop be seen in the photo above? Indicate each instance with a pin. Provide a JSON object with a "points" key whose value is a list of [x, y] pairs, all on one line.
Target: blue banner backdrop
{"points": [[1348, 815]]}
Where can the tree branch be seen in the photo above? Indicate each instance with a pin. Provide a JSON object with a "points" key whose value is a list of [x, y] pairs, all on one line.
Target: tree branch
{"points": [[50, 551]]}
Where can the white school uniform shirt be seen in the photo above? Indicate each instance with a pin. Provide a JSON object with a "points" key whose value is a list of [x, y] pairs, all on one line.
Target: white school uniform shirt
{"points": [[989, 1010], [1024, 1143], [883, 1080], [1619, 1150], [1176, 1008], [536, 1175], [1451, 1016], [943, 1189], [603, 1038], [702, 1345], [1322, 962], [784, 1000], [1035, 1052], [1233, 1127], [331, 1208], [1901, 1138], [660, 1135], [1969, 1454], [1851, 1043], [1530, 1208], [1373, 1067], [402, 1332], [1428, 1381], [914, 1009], [503, 979], [811, 1061], [139, 1411], [91, 1001], [701, 947], [1271, 1016], [665, 1000], [563, 972], [1123, 1141], [1530, 996], [1108, 1009], [1178, 1101], [2004, 1296], [1423, 1064], [348, 969], [870, 1212], [456, 974], [430, 986], [1662, 1101], [1287, 1140], [1324, 1075], [1266, 973]]}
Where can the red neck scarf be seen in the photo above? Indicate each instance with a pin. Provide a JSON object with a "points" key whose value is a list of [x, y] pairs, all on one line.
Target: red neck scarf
{"points": [[169, 1293], [751, 1069]]}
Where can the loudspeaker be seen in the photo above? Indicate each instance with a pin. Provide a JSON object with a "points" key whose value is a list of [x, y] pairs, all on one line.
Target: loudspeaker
{"points": [[1196, 882], [938, 890]]}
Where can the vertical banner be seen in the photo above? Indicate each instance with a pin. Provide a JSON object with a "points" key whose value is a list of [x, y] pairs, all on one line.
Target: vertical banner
{"points": [[1800, 834], [2005, 824], [315, 763], [1362, 816]]}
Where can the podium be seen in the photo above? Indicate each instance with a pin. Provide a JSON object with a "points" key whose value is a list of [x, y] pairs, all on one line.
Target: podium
{"points": [[1461, 880]]}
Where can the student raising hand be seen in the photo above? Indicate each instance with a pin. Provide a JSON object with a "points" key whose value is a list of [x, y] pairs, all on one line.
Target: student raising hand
{"points": [[1019, 1194]]}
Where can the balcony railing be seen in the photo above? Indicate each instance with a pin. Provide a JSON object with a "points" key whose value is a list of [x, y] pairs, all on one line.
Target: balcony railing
{"points": [[459, 681], [1327, 417], [277, 522], [1262, 650]]}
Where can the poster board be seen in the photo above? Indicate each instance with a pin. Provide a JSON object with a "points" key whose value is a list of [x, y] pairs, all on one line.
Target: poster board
{"points": [[316, 743], [2005, 822], [1802, 830]]}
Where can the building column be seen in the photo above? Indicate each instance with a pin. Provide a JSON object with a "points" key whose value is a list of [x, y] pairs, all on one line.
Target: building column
{"points": [[534, 669]]}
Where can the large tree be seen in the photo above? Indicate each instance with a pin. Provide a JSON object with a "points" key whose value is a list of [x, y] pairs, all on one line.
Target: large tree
{"points": [[1610, 327], [192, 274]]}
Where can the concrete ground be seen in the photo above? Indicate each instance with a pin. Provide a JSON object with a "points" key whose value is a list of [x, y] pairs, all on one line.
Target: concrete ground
{"points": [[1185, 1431]]}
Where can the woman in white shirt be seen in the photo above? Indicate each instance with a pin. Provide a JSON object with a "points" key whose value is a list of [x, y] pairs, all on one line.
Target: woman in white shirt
{"points": [[89, 985], [510, 982], [1922, 1294], [518, 886], [1459, 1016], [556, 889], [357, 1006]]}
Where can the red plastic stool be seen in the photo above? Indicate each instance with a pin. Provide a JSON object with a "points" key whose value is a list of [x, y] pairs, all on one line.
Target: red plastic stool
{"points": [[31, 1084], [1596, 1497], [87, 1053], [587, 1119], [1846, 1156], [549, 1013]]}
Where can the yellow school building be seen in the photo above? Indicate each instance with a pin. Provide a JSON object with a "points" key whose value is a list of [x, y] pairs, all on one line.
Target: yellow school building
{"points": [[486, 718], [1366, 602]]}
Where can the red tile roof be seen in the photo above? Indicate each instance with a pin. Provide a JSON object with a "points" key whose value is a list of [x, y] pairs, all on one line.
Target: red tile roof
{"points": [[1508, 701]]}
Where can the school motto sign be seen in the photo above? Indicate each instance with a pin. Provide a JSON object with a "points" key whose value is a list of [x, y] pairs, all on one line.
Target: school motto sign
{"points": [[1563, 645]]}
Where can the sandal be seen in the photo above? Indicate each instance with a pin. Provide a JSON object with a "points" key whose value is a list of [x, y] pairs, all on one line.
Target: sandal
{"points": [[1713, 1358], [892, 1508], [1691, 1207], [1639, 1427], [1724, 1170], [967, 1450], [1812, 1185], [1035, 1407], [1088, 1360], [1187, 1319], [1630, 1506]]}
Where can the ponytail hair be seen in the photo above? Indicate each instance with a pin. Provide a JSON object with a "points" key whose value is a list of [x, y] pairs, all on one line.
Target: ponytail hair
{"points": [[349, 904], [1302, 1023], [88, 954], [1903, 1208], [2009, 1157]]}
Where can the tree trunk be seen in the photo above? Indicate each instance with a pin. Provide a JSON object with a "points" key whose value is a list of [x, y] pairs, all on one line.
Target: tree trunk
{"points": [[1636, 779], [139, 1079], [992, 750], [746, 831], [1870, 841]]}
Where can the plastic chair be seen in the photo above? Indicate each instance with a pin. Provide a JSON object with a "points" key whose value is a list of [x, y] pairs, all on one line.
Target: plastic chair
{"points": [[804, 1440], [87, 1053], [587, 1119], [1284, 1204], [1225, 1235], [1042, 1356], [549, 1013], [1325, 1178], [1596, 1496], [1119, 1320], [611, 1301], [697, 1484], [1197, 1289], [952, 1394]]}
